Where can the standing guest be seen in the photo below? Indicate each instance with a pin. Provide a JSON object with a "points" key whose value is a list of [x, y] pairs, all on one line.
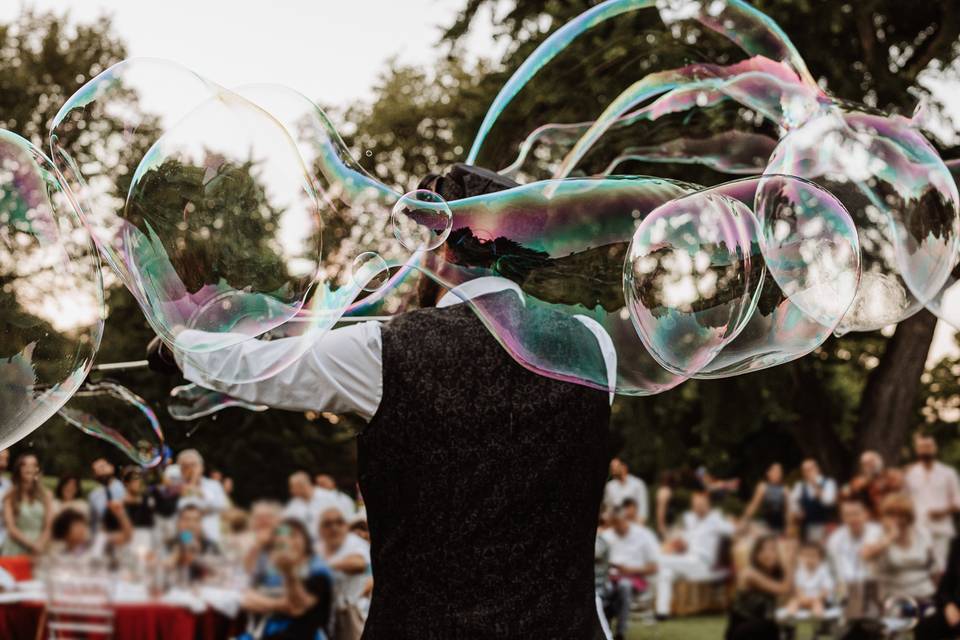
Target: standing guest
{"points": [[845, 545], [668, 505], [903, 558], [68, 495], [814, 501], [109, 489], [769, 502], [139, 502], [623, 485], [766, 579], [945, 622], [206, 494], [5, 485], [27, 510], [718, 488], [633, 561], [342, 501], [348, 557], [872, 482], [935, 491], [295, 597], [693, 554]]}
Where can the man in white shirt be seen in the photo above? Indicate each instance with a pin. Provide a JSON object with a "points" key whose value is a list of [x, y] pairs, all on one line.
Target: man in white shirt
{"points": [[308, 502], [204, 493], [814, 500], [622, 485], [844, 546], [348, 556], [633, 553], [109, 489], [345, 503], [935, 491], [693, 555]]}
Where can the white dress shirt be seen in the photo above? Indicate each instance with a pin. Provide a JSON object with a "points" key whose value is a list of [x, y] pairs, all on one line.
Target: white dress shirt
{"points": [[633, 487], [843, 551], [342, 372], [211, 499], [638, 548], [703, 535], [935, 489], [348, 588]]}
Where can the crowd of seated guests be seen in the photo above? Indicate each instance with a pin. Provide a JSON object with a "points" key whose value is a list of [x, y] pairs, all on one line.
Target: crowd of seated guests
{"points": [[304, 566], [811, 550]]}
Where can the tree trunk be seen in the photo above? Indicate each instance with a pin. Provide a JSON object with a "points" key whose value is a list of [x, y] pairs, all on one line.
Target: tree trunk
{"points": [[888, 405]]}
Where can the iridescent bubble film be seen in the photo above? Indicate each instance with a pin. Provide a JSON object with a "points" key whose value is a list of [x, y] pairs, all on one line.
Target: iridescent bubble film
{"points": [[51, 294], [191, 402], [235, 215], [114, 414]]}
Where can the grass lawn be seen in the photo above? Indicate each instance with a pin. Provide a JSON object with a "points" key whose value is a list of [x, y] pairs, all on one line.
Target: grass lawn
{"points": [[696, 628]]}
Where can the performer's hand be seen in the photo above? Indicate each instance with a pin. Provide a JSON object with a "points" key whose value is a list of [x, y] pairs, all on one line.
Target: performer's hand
{"points": [[160, 358]]}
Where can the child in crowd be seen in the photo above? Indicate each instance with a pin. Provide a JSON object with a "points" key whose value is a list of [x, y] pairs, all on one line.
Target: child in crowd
{"points": [[814, 587]]}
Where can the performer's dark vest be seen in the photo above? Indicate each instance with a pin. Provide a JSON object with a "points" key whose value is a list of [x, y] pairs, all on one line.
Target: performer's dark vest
{"points": [[483, 482]]}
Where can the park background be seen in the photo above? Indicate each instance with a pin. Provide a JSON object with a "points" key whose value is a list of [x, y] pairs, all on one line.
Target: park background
{"points": [[407, 116]]}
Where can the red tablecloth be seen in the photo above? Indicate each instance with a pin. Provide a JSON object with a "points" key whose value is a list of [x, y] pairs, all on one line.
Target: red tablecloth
{"points": [[133, 622]]}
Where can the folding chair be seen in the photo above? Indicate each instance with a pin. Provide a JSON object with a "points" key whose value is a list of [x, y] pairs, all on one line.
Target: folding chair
{"points": [[80, 604]]}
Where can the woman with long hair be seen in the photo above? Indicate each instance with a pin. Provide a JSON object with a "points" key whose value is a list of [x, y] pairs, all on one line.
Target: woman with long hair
{"points": [[68, 494], [766, 580], [27, 510]]}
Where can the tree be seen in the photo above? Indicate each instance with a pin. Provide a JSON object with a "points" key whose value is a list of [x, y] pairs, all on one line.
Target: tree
{"points": [[862, 390]]}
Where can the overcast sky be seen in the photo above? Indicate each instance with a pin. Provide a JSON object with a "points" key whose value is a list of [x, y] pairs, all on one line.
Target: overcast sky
{"points": [[330, 50]]}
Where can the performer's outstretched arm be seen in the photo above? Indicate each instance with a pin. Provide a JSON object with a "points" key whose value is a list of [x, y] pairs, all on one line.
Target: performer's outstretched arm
{"points": [[341, 373]]}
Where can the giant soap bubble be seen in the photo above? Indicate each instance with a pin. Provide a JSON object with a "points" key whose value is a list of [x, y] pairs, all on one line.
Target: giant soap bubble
{"points": [[51, 294]]}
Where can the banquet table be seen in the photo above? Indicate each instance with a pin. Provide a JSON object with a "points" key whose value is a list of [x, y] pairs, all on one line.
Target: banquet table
{"points": [[20, 619]]}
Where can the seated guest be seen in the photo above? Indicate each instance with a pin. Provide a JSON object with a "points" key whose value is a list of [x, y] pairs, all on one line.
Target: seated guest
{"points": [[845, 545], [72, 535], [603, 587], [204, 493], [813, 586], [623, 485], [265, 515], [769, 502], [693, 554], [27, 510], [633, 560], [190, 545], [765, 580], [814, 501], [348, 557], [903, 557], [295, 597], [341, 500], [945, 621], [68, 495]]}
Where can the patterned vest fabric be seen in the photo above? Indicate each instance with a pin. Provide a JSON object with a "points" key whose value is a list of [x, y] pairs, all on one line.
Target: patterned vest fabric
{"points": [[483, 482]]}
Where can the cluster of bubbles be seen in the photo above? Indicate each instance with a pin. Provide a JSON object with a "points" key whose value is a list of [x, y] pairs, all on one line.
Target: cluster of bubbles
{"points": [[239, 214]]}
